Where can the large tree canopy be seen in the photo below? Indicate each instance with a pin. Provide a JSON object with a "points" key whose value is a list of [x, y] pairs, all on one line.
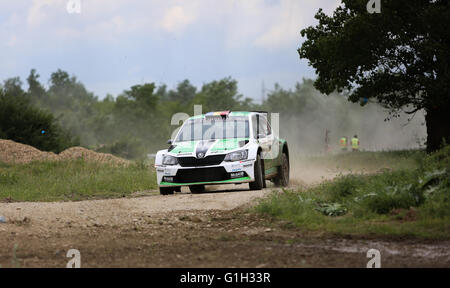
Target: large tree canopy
{"points": [[400, 57]]}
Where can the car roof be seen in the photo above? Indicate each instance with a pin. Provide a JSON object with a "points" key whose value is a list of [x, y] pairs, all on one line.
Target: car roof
{"points": [[230, 114]]}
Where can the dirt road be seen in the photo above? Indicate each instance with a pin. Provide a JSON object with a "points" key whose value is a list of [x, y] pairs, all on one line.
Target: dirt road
{"points": [[207, 230], [122, 211]]}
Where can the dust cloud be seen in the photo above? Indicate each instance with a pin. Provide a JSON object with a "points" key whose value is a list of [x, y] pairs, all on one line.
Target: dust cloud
{"points": [[306, 131], [305, 120]]}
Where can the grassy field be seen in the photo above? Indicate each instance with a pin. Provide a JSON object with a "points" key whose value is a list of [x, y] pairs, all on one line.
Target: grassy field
{"points": [[408, 197], [72, 180]]}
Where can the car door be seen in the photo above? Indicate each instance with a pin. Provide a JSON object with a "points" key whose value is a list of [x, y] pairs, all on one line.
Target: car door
{"points": [[266, 140]]}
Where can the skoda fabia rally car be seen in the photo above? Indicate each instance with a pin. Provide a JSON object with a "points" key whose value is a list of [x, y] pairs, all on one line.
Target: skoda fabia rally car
{"points": [[223, 148]]}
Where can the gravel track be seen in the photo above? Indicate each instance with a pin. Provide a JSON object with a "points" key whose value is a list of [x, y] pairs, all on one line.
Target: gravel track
{"points": [[186, 230]]}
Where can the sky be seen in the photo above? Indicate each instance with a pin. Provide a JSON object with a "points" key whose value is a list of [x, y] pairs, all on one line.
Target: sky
{"points": [[111, 45]]}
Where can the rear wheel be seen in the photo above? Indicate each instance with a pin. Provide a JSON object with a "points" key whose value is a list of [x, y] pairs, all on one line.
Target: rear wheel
{"points": [[259, 177], [195, 189], [282, 178], [166, 190]]}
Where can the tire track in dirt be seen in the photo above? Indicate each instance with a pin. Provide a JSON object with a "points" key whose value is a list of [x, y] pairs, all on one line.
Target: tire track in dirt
{"points": [[44, 216]]}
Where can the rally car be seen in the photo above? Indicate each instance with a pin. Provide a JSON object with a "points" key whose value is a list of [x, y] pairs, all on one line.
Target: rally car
{"points": [[223, 148]]}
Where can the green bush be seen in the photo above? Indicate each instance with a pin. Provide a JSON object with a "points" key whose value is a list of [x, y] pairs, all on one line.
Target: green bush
{"points": [[437, 204], [344, 186], [435, 183], [21, 122], [393, 197], [332, 209]]}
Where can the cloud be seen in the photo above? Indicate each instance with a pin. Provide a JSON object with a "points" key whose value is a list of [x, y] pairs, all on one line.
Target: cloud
{"points": [[289, 19], [176, 19], [262, 23], [40, 9]]}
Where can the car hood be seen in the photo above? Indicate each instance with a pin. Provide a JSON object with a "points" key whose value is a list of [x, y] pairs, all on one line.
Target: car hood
{"points": [[218, 146]]}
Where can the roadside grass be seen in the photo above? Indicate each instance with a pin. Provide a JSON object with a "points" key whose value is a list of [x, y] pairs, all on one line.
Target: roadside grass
{"points": [[72, 180], [408, 201]]}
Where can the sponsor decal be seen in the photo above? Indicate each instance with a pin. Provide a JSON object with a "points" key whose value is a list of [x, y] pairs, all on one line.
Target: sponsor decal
{"points": [[168, 179], [237, 174]]}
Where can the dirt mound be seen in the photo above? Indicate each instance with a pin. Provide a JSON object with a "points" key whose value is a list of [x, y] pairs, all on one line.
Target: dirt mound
{"points": [[89, 155], [13, 152]]}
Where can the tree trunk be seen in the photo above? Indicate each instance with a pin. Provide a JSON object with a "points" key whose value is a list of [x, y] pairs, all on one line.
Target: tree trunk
{"points": [[438, 127]]}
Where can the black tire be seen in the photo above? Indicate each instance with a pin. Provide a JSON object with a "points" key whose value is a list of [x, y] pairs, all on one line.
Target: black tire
{"points": [[196, 189], [166, 190], [282, 178], [258, 184]]}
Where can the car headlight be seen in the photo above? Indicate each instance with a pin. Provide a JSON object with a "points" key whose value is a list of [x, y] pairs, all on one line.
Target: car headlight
{"points": [[237, 156], [169, 160]]}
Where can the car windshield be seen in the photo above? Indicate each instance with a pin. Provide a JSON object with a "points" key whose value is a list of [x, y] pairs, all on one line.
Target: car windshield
{"points": [[210, 129]]}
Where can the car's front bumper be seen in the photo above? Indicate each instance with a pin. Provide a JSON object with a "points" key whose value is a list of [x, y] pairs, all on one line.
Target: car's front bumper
{"points": [[225, 173]]}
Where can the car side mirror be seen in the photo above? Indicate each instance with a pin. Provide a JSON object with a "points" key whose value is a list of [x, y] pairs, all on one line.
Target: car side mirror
{"points": [[170, 141]]}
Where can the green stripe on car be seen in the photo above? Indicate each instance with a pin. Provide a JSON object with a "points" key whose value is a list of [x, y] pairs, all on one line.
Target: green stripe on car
{"points": [[184, 147], [227, 144], [200, 183]]}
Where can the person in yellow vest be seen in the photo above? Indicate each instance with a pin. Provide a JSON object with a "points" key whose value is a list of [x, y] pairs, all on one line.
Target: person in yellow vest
{"points": [[343, 143], [355, 143]]}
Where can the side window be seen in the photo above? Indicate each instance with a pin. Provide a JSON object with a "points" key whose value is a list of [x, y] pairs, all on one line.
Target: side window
{"points": [[254, 127], [269, 129], [264, 127]]}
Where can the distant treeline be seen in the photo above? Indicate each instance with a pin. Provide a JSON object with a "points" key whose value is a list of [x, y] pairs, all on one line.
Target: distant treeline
{"points": [[137, 121]]}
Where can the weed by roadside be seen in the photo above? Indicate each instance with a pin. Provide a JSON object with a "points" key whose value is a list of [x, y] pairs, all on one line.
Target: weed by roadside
{"points": [[405, 202]]}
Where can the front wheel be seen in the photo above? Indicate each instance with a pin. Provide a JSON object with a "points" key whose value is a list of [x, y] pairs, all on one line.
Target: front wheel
{"points": [[166, 190], [282, 179], [258, 184]]}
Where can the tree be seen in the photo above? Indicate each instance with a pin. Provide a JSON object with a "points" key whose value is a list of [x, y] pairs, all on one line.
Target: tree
{"points": [[219, 95], [400, 57], [185, 92], [36, 91], [143, 95], [13, 87], [21, 122], [66, 90]]}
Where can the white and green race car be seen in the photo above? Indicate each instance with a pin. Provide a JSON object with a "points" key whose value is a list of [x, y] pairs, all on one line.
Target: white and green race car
{"points": [[223, 148]]}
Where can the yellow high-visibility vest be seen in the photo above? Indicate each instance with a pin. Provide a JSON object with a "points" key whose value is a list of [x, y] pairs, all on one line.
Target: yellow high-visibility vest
{"points": [[343, 142], [355, 143]]}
